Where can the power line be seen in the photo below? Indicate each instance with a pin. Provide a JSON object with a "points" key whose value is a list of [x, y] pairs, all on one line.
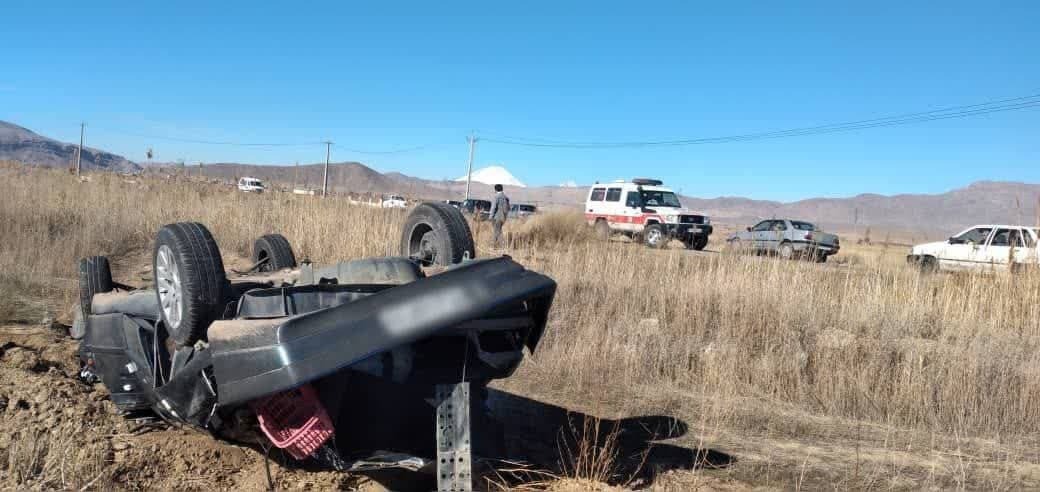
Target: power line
{"points": [[963, 111]]}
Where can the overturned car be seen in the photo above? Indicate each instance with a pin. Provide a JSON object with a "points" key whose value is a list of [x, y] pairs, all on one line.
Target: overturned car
{"points": [[362, 364]]}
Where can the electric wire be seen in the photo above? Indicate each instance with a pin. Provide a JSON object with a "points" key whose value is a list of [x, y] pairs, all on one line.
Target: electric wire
{"points": [[964, 111]]}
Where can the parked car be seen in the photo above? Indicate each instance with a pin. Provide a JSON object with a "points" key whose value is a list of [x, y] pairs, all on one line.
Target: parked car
{"points": [[522, 211], [786, 238], [303, 357], [479, 209], [646, 211], [393, 201], [980, 247], [251, 185]]}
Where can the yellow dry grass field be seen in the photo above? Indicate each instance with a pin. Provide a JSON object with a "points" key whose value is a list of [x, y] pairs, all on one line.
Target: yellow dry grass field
{"points": [[857, 374]]}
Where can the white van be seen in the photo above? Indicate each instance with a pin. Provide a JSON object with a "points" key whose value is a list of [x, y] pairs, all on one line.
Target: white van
{"points": [[250, 185], [646, 211]]}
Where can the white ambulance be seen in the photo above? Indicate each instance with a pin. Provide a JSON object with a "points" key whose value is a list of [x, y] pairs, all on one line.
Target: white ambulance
{"points": [[646, 211]]}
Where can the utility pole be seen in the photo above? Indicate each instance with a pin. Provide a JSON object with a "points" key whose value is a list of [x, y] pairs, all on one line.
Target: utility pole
{"points": [[469, 174], [296, 176], [79, 154], [325, 179]]}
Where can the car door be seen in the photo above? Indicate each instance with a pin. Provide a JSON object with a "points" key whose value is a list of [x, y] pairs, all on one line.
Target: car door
{"points": [[777, 230], [962, 251], [1005, 246], [760, 234], [1032, 252], [615, 208], [633, 209], [594, 205]]}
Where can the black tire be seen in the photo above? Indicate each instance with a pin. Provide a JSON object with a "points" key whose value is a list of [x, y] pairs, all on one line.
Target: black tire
{"points": [[95, 277], [698, 243], [602, 230], [275, 252], [785, 250], [655, 231], [820, 258], [927, 264], [468, 245], [202, 280], [433, 235]]}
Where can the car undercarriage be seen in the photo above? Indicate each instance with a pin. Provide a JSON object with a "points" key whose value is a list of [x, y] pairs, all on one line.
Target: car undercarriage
{"points": [[357, 365]]}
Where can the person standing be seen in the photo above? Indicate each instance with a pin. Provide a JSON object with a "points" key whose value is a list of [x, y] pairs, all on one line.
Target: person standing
{"points": [[499, 212]]}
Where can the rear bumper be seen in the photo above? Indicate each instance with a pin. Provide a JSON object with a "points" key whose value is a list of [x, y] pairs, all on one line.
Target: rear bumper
{"points": [[257, 357], [826, 249]]}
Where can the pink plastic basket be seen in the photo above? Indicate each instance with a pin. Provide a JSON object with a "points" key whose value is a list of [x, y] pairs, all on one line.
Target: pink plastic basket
{"points": [[294, 421]]}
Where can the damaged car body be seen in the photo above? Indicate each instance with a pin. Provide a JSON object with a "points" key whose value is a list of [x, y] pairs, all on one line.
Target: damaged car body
{"points": [[348, 364]]}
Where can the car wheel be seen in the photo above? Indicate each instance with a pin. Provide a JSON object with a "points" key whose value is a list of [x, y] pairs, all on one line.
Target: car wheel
{"points": [[654, 236], [785, 251], [602, 230], [927, 264], [468, 246], [820, 258], [698, 243], [272, 252], [434, 234], [95, 277], [189, 280]]}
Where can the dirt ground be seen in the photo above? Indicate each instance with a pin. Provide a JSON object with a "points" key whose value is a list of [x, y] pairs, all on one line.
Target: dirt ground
{"points": [[57, 432]]}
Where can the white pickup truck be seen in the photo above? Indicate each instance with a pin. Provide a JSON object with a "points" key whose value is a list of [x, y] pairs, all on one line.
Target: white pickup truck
{"points": [[981, 247]]}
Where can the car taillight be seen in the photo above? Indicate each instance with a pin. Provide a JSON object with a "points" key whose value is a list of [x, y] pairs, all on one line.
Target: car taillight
{"points": [[808, 235]]}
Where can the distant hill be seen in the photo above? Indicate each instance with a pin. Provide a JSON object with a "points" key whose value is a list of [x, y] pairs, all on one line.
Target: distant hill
{"points": [[914, 214], [906, 215], [23, 145], [343, 176]]}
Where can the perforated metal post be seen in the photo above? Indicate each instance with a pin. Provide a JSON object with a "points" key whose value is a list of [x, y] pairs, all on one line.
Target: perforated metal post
{"points": [[454, 472]]}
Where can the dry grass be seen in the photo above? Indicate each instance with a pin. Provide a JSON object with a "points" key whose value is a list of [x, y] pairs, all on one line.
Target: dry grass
{"points": [[867, 339]]}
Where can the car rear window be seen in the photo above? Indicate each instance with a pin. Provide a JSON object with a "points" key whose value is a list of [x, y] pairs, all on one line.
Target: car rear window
{"points": [[803, 226], [597, 195]]}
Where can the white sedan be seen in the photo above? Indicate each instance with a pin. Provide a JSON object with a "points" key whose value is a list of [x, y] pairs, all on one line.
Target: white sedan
{"points": [[981, 247]]}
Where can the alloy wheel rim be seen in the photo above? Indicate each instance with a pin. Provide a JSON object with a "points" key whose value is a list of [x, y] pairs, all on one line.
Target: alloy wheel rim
{"points": [[168, 283], [428, 247], [653, 237]]}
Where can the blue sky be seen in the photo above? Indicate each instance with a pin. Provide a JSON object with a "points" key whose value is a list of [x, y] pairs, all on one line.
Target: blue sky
{"points": [[392, 75]]}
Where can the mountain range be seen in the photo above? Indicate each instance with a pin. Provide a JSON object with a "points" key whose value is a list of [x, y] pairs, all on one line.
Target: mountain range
{"points": [[23, 145], [904, 215]]}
